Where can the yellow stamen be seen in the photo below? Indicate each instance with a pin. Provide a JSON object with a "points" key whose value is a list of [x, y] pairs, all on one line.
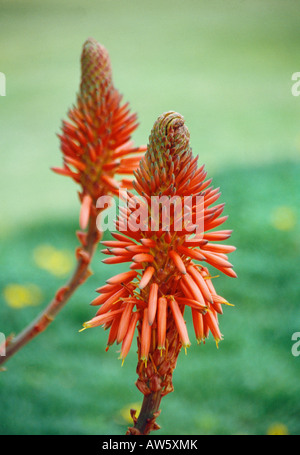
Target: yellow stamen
{"points": [[227, 303], [185, 348], [209, 277], [161, 348]]}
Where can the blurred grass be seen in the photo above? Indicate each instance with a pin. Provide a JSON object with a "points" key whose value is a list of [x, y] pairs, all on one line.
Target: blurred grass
{"points": [[226, 66]]}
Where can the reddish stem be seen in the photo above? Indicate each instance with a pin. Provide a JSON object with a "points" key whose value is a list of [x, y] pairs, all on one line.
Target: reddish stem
{"points": [[145, 423]]}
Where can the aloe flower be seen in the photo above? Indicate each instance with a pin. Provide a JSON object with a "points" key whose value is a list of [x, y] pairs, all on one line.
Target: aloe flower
{"points": [[169, 267], [96, 141]]}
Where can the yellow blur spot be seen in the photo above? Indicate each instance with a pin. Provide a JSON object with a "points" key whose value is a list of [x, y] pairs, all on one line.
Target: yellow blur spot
{"points": [[20, 296], [57, 262], [125, 412], [284, 218], [278, 429]]}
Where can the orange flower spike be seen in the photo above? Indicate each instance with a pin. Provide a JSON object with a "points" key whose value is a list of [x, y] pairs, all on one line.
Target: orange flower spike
{"points": [[161, 322], [99, 130], [152, 303], [163, 275]]}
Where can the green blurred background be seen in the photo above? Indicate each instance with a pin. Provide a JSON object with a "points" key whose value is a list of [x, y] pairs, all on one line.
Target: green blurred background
{"points": [[226, 66]]}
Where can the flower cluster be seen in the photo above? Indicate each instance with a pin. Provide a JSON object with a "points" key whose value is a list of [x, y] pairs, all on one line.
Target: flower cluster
{"points": [[169, 266], [96, 141]]}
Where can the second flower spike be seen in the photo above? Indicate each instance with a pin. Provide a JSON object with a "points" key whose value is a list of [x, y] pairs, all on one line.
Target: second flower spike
{"points": [[165, 233], [96, 140]]}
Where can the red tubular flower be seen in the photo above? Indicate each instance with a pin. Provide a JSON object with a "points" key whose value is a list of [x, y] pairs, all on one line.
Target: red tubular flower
{"points": [[96, 141], [169, 264]]}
